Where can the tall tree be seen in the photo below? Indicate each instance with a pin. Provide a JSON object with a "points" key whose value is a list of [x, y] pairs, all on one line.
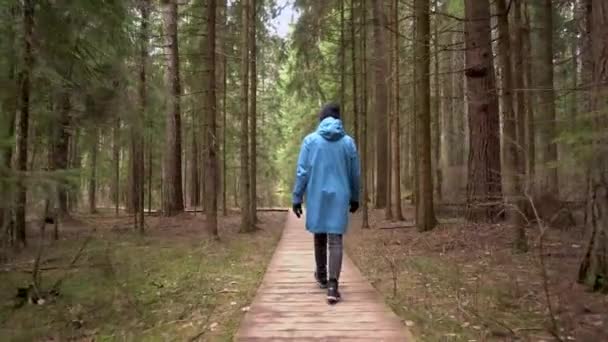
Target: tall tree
{"points": [[24, 119], [222, 78], [381, 103], [342, 57], [425, 213], [246, 224], [93, 176], [116, 160], [253, 73], [395, 183], [436, 107], [354, 80], [8, 108], [61, 147], [137, 137], [512, 159], [210, 126], [172, 170], [545, 106], [364, 111], [594, 267], [530, 125], [483, 183], [354, 50]]}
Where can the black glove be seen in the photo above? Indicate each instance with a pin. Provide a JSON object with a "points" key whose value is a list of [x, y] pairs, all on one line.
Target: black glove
{"points": [[354, 206], [297, 209]]}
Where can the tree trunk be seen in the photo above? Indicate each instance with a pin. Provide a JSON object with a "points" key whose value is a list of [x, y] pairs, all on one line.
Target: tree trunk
{"points": [[93, 177], [586, 52], [221, 78], [395, 164], [210, 125], [512, 160], [518, 70], [195, 186], [364, 85], [594, 268], [23, 123], [381, 104], [116, 165], [150, 175], [353, 39], [425, 213], [172, 194], [7, 112], [246, 224], [483, 185], [138, 129], [62, 148], [543, 77], [530, 127], [342, 60], [253, 74], [436, 110]]}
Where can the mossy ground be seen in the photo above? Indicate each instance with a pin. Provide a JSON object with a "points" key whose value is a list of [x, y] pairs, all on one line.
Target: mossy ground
{"points": [[175, 283]]}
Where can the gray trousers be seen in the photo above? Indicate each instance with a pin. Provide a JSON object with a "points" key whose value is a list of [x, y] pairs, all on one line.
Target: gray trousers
{"points": [[333, 242]]}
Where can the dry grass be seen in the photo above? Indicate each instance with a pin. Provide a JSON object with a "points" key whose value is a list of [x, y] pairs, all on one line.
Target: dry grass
{"points": [[464, 283]]}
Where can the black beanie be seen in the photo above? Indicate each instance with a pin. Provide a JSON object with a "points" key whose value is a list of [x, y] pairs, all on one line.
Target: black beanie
{"points": [[330, 109]]}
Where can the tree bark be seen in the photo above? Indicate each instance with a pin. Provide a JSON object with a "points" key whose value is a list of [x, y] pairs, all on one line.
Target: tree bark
{"points": [[395, 191], [436, 110], [353, 38], [253, 74], [381, 104], [246, 224], [543, 77], [518, 70], [211, 178], [512, 157], [530, 126], [93, 176], [62, 148], [8, 111], [425, 213], [594, 268], [364, 150], [342, 60], [222, 79], [23, 123], [483, 184], [173, 201], [138, 129], [195, 186], [116, 165]]}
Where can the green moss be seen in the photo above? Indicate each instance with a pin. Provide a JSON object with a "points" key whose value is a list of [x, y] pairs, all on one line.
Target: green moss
{"points": [[153, 289]]}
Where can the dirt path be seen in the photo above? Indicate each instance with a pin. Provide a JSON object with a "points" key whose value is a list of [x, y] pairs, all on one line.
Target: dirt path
{"points": [[289, 305]]}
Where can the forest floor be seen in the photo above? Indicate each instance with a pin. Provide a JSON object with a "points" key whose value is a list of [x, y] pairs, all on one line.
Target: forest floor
{"points": [[174, 283], [464, 283]]}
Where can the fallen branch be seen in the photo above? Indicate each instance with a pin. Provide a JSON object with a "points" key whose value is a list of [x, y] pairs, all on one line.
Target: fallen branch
{"points": [[486, 319], [59, 281], [398, 227]]}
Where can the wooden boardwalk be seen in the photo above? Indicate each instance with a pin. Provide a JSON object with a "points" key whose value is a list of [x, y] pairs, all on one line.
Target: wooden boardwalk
{"points": [[290, 307]]}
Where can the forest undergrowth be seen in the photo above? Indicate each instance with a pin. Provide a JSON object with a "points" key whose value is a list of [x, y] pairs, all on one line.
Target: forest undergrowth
{"points": [[461, 282], [174, 283]]}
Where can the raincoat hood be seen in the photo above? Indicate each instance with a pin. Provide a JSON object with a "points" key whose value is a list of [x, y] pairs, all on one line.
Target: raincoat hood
{"points": [[331, 129]]}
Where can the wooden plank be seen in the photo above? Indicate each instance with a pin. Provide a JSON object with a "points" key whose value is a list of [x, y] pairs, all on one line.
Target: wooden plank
{"points": [[289, 306]]}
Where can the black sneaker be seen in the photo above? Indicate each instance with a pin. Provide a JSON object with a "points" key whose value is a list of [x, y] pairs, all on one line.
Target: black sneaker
{"points": [[321, 279], [333, 295]]}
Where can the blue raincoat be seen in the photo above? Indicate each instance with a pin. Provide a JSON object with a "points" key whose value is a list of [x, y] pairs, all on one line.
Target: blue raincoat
{"points": [[328, 173]]}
